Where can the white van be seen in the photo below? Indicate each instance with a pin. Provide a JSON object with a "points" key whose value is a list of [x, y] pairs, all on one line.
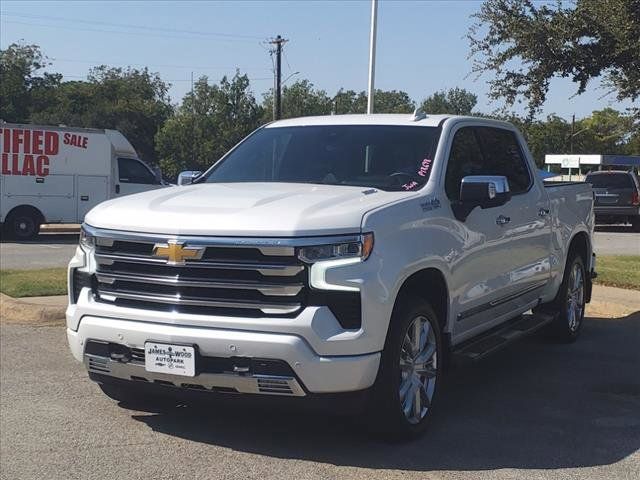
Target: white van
{"points": [[58, 174]]}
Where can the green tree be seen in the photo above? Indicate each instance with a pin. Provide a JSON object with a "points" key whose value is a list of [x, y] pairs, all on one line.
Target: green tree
{"points": [[525, 44], [133, 101], [207, 124], [457, 101], [20, 84], [300, 99]]}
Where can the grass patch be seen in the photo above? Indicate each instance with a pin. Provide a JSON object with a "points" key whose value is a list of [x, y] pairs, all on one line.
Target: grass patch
{"points": [[33, 283], [619, 271]]}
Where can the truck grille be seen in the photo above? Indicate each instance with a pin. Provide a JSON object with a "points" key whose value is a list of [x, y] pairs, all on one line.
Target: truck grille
{"points": [[199, 275]]}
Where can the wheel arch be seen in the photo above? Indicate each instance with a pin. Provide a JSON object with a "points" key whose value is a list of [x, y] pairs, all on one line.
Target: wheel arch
{"points": [[34, 211], [431, 285]]}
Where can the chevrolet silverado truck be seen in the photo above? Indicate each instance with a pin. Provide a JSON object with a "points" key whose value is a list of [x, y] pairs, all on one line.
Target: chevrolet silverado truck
{"points": [[327, 255]]}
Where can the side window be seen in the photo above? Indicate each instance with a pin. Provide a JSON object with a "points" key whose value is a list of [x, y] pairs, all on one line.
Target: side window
{"points": [[503, 156], [465, 159], [133, 171]]}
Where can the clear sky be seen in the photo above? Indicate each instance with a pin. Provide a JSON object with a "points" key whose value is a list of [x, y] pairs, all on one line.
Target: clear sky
{"points": [[421, 45]]}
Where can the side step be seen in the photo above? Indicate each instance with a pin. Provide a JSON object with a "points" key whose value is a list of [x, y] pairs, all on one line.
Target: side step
{"points": [[498, 338]]}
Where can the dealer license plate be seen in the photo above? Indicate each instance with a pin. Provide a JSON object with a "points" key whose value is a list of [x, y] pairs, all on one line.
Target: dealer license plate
{"points": [[172, 359]]}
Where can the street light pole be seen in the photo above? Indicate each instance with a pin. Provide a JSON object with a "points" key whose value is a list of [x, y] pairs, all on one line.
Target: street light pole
{"points": [[372, 54]]}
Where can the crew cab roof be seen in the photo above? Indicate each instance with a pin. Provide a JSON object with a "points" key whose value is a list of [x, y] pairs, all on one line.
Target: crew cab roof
{"points": [[400, 119], [406, 119]]}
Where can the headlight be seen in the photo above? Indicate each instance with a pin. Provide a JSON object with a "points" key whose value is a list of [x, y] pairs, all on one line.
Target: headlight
{"points": [[360, 248], [87, 242]]}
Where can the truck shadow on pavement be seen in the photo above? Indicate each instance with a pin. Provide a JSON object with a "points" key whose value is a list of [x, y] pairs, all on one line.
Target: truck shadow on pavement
{"points": [[535, 405]]}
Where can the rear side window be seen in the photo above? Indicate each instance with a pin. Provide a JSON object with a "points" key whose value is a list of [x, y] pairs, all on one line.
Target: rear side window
{"points": [[610, 180], [503, 156]]}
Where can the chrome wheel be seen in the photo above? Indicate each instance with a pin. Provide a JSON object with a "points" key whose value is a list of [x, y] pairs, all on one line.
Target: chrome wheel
{"points": [[575, 297], [418, 368]]}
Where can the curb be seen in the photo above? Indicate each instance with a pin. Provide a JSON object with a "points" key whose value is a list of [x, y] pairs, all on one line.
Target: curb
{"points": [[17, 311], [60, 228]]}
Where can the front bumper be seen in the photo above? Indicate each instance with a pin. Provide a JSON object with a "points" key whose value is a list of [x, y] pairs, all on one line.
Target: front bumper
{"points": [[312, 373]]}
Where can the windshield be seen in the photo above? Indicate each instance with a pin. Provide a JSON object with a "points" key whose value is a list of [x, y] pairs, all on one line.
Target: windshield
{"points": [[609, 180], [384, 157]]}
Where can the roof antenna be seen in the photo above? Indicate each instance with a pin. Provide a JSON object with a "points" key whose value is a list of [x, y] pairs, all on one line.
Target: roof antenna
{"points": [[418, 114]]}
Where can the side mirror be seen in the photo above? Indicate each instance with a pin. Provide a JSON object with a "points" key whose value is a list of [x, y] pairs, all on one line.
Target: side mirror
{"points": [[484, 191], [187, 177]]}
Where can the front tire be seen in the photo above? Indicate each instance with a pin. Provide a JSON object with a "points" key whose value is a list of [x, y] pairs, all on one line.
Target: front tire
{"points": [[410, 372]]}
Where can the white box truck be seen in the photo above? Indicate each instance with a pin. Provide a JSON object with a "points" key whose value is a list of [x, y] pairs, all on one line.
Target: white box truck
{"points": [[57, 174]]}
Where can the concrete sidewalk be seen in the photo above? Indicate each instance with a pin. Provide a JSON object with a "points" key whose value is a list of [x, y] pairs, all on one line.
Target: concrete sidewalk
{"points": [[607, 302]]}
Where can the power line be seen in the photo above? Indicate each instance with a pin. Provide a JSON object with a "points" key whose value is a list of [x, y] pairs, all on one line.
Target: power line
{"points": [[159, 65], [119, 32], [124, 25]]}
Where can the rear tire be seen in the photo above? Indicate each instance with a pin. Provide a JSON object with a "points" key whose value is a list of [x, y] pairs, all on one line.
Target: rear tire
{"points": [[635, 224], [22, 225], [410, 372], [569, 305]]}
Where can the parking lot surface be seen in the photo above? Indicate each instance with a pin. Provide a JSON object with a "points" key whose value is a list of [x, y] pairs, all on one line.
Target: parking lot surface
{"points": [[535, 410]]}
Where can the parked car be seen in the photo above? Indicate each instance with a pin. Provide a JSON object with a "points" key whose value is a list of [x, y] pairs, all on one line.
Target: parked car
{"points": [[332, 255], [57, 174], [617, 197]]}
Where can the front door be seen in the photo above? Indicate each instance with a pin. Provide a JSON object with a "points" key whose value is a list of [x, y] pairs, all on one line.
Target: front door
{"points": [[133, 176]]}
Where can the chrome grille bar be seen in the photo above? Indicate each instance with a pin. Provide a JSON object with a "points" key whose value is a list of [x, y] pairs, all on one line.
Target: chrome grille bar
{"points": [[267, 308], [264, 268], [264, 288]]}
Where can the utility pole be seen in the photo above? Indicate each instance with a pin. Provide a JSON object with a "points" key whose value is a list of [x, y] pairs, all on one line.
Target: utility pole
{"points": [[372, 54], [573, 128], [277, 90]]}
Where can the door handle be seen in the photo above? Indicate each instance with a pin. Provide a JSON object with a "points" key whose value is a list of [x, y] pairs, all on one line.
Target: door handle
{"points": [[84, 198], [502, 220], [117, 188], [543, 212]]}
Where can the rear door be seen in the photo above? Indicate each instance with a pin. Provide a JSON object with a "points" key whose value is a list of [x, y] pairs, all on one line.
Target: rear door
{"points": [[133, 176], [92, 190]]}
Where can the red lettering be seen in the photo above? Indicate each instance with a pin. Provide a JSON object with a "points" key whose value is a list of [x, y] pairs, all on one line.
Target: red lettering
{"points": [[14, 164], [27, 141], [37, 142], [51, 143], [7, 140], [5, 164], [67, 136], [17, 140], [28, 167], [84, 142], [43, 166]]}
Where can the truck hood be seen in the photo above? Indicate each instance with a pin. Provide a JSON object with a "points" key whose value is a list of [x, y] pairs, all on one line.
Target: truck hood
{"points": [[242, 209]]}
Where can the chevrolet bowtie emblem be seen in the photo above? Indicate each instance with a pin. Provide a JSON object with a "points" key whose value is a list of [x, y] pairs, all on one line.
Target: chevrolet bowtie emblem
{"points": [[176, 253]]}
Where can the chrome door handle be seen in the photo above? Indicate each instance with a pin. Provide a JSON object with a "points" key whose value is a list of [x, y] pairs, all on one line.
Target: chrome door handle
{"points": [[502, 220], [543, 212]]}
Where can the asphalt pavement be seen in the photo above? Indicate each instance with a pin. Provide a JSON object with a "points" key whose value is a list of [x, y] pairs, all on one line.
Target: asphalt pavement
{"points": [[535, 410], [55, 250]]}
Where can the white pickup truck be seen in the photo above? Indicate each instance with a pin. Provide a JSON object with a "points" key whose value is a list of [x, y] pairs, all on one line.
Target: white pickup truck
{"points": [[333, 254]]}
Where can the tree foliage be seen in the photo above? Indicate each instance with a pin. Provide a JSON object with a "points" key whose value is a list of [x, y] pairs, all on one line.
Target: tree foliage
{"points": [[22, 88], [525, 44], [207, 124], [456, 101]]}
